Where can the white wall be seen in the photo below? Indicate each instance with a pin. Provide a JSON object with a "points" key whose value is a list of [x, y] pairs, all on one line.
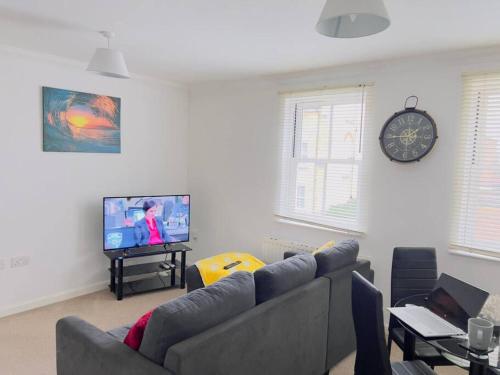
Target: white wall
{"points": [[51, 203], [234, 135]]}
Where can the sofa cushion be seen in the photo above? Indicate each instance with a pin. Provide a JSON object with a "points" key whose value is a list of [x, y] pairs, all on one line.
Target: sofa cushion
{"points": [[340, 255], [195, 312], [280, 277]]}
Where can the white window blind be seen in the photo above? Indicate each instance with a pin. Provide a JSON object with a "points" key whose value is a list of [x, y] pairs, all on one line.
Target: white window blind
{"points": [[322, 170], [476, 208]]}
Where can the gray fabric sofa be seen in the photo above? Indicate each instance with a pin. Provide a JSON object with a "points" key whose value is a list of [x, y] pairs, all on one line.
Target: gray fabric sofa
{"points": [[305, 330]]}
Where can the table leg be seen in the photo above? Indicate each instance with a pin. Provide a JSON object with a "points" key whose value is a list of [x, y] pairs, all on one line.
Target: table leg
{"points": [[183, 270], [409, 346], [477, 369], [119, 292], [112, 271], [172, 275]]}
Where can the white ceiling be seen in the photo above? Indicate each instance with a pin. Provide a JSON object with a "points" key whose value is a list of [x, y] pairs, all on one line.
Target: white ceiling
{"points": [[197, 40]]}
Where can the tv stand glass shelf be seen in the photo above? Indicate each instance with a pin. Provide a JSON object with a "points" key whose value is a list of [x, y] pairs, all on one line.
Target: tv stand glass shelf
{"points": [[150, 276]]}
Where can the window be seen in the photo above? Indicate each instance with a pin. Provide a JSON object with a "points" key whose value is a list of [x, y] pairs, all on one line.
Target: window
{"points": [[322, 154], [476, 209]]}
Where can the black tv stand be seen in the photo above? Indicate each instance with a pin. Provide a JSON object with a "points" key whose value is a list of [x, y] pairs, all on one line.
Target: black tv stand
{"points": [[148, 276]]}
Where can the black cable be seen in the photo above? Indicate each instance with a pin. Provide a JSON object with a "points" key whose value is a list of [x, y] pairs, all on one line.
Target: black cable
{"points": [[161, 279]]}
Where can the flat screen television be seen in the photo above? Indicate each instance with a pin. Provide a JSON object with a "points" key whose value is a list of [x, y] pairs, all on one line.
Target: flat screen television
{"points": [[131, 222]]}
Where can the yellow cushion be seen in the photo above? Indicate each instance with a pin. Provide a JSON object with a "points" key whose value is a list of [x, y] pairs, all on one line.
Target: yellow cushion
{"points": [[212, 269], [325, 246]]}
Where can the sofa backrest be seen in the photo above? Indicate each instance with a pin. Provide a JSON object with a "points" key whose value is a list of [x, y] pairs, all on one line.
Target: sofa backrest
{"points": [[195, 312], [338, 256], [280, 277], [285, 335]]}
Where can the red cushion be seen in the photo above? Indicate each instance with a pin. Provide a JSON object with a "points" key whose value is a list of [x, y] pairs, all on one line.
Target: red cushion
{"points": [[134, 336]]}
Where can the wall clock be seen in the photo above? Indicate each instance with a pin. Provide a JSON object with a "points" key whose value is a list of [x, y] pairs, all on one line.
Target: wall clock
{"points": [[408, 135]]}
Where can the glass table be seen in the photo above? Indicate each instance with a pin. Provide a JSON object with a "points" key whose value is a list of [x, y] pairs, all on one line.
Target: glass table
{"points": [[450, 347]]}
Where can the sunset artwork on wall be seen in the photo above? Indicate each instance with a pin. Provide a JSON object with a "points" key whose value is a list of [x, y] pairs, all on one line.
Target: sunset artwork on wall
{"points": [[80, 122]]}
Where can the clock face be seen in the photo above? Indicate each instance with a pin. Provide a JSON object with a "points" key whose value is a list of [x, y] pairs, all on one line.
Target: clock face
{"points": [[408, 135]]}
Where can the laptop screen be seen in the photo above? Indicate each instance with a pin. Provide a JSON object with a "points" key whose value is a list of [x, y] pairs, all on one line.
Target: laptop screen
{"points": [[441, 303], [470, 298], [456, 301]]}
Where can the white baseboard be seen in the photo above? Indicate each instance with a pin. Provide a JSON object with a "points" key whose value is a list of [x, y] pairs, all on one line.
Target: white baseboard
{"points": [[58, 297]]}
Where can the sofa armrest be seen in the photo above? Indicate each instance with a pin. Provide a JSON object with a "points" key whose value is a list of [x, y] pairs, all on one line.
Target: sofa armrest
{"points": [[193, 278], [289, 254], [83, 349], [362, 266], [341, 335], [371, 276]]}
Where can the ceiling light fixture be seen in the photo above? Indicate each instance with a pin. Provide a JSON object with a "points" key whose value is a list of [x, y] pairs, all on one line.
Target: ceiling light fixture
{"points": [[353, 18], [108, 62]]}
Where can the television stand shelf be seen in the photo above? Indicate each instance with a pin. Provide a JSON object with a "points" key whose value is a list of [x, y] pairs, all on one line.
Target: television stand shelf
{"points": [[147, 276]]}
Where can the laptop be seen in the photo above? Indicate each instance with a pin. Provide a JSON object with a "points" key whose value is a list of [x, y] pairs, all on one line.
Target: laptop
{"points": [[470, 298], [448, 308]]}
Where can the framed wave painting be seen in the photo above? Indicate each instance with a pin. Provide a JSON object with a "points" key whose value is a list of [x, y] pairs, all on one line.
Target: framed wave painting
{"points": [[76, 121]]}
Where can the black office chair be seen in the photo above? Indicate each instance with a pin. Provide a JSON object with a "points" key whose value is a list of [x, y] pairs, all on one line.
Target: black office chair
{"points": [[414, 275], [372, 356]]}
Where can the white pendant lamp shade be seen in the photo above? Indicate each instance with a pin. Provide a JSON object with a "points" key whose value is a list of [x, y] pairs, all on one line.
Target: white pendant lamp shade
{"points": [[353, 18], [108, 62]]}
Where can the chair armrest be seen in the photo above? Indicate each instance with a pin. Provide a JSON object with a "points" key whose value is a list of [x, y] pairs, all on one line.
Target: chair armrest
{"points": [[84, 349]]}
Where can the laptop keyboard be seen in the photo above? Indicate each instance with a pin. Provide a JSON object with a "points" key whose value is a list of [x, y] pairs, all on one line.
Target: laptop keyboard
{"points": [[426, 322], [434, 322]]}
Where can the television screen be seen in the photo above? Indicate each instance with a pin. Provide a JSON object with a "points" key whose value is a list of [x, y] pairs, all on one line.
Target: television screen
{"points": [[145, 221]]}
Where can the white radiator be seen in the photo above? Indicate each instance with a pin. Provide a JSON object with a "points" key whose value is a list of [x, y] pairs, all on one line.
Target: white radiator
{"points": [[273, 248]]}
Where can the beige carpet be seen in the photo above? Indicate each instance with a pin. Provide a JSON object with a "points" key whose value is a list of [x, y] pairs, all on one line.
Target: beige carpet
{"points": [[27, 340]]}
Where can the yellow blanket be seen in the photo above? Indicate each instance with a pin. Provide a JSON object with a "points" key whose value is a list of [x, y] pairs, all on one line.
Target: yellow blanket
{"points": [[212, 269]]}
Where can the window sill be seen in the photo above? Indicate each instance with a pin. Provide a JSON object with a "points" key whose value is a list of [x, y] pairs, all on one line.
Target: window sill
{"points": [[473, 255], [285, 220]]}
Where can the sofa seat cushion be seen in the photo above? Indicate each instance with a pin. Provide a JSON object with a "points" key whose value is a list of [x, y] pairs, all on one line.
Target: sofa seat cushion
{"points": [[340, 255], [195, 312], [120, 333], [278, 278]]}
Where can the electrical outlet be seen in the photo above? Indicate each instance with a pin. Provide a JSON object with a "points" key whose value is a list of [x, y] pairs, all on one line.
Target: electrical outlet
{"points": [[21, 261], [195, 234]]}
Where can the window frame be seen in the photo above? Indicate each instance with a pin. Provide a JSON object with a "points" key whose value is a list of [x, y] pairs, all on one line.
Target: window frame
{"points": [[467, 190], [292, 158]]}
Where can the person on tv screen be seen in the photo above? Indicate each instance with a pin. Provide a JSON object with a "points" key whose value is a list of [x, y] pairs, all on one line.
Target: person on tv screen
{"points": [[150, 230]]}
